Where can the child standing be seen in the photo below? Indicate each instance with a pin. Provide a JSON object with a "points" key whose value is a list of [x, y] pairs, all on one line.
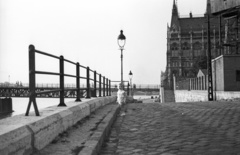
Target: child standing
{"points": [[121, 97]]}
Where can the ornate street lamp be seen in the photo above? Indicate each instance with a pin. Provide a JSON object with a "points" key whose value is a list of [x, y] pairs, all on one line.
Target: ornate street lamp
{"points": [[130, 78], [121, 43]]}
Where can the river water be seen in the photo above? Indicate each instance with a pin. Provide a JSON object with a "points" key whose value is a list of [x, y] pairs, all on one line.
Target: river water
{"points": [[20, 104]]}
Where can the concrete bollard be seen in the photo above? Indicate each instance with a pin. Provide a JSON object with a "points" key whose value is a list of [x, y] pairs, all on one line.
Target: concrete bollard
{"points": [[5, 105]]}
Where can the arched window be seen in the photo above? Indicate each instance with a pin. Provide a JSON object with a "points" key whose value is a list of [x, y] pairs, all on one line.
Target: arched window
{"points": [[197, 47], [175, 72], [174, 46], [174, 64], [212, 45], [185, 73], [185, 46]]}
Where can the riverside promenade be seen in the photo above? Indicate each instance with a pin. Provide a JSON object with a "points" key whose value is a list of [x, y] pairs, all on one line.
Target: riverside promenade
{"points": [[204, 128]]}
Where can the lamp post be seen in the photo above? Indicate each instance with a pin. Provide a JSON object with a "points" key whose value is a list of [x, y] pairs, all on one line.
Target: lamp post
{"points": [[121, 43], [130, 78]]}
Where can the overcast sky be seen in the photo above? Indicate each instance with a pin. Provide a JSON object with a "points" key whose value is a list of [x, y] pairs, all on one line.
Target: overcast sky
{"points": [[86, 31]]}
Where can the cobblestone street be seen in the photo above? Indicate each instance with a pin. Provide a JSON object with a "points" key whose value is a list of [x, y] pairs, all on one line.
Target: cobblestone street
{"points": [[205, 128]]}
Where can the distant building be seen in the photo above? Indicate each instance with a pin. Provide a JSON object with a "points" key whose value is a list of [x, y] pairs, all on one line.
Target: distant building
{"points": [[226, 68], [226, 73], [228, 12], [187, 44], [223, 6]]}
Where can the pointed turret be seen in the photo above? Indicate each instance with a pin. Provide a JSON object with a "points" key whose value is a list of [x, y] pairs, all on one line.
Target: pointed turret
{"points": [[175, 16], [208, 8], [174, 9]]}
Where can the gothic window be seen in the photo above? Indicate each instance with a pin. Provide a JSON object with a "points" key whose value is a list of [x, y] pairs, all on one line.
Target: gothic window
{"points": [[186, 64], [197, 47], [185, 73], [185, 46], [175, 64], [175, 72], [212, 45], [174, 46]]}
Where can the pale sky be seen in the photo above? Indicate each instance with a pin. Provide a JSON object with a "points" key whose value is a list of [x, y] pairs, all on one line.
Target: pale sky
{"points": [[86, 31]]}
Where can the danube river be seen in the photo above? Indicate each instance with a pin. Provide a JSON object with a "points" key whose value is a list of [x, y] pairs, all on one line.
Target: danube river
{"points": [[20, 104]]}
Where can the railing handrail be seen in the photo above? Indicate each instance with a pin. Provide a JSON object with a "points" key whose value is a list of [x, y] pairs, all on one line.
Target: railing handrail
{"points": [[71, 85], [61, 74]]}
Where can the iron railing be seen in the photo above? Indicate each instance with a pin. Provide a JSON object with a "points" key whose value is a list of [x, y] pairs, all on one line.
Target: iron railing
{"points": [[102, 81]]}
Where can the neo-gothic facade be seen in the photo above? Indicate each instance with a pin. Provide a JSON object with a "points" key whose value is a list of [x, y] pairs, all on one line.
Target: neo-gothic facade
{"points": [[187, 43]]}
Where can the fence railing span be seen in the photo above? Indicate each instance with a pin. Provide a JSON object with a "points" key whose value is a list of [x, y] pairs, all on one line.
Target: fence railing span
{"points": [[73, 85], [104, 83], [198, 83]]}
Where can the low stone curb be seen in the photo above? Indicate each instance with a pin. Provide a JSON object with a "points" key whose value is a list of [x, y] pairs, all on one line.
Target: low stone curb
{"points": [[93, 145], [25, 135]]}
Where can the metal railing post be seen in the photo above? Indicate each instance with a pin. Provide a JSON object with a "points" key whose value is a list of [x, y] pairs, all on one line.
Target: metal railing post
{"points": [[61, 69], [109, 87], [88, 83], [32, 81], [78, 99], [100, 86], [104, 86], [95, 84]]}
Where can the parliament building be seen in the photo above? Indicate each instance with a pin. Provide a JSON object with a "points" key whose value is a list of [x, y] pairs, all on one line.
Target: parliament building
{"points": [[187, 44]]}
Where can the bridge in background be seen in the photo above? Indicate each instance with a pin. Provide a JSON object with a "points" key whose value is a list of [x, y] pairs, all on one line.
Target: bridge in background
{"points": [[13, 90]]}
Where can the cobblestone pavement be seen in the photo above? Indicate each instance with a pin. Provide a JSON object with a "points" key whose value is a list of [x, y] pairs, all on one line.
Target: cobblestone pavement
{"points": [[205, 128]]}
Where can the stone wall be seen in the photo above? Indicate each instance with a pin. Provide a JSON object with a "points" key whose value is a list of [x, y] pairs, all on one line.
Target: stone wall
{"points": [[227, 95], [24, 134], [200, 96], [191, 96]]}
